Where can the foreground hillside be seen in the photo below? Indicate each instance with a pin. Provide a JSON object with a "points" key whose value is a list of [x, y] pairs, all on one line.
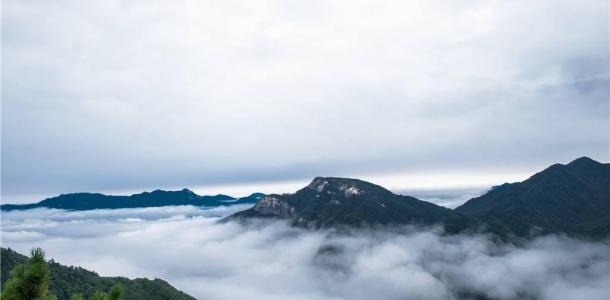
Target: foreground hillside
{"points": [[66, 281]]}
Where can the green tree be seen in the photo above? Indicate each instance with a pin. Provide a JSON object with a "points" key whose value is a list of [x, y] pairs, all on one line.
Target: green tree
{"points": [[29, 281], [114, 294]]}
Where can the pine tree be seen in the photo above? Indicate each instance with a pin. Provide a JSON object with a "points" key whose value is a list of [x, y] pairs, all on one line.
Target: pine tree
{"points": [[114, 294], [29, 281]]}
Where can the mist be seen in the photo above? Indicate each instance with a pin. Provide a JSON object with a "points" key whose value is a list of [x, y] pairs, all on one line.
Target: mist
{"points": [[189, 248], [447, 197]]}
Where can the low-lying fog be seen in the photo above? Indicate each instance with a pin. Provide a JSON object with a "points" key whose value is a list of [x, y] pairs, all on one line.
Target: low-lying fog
{"points": [[447, 197], [270, 260]]}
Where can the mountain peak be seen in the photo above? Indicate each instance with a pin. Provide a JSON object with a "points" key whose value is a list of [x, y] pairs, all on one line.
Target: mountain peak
{"points": [[335, 201], [256, 195], [577, 166], [349, 186], [187, 192], [183, 191], [583, 162], [577, 192]]}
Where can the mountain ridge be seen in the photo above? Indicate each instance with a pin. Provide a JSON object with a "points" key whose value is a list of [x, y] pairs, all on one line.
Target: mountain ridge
{"points": [[572, 199], [335, 201], [156, 198]]}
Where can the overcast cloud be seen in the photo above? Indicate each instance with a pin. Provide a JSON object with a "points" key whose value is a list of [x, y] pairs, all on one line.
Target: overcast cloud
{"points": [[271, 260], [108, 95]]}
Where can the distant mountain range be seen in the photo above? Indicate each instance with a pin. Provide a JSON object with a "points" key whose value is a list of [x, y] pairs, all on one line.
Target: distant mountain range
{"points": [[66, 281], [572, 199], [157, 198]]}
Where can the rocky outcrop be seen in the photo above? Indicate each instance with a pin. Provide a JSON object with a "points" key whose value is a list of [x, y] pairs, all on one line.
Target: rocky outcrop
{"points": [[275, 207], [333, 186]]}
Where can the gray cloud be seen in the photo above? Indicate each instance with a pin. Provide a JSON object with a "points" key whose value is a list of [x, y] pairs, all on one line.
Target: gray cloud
{"points": [[127, 94], [274, 261]]}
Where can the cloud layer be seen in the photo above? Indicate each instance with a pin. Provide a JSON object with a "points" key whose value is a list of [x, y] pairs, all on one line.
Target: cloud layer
{"points": [[131, 94], [270, 260], [447, 197]]}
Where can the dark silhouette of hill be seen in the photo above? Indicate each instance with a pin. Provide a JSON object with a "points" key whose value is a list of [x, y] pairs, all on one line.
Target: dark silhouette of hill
{"points": [[572, 198], [332, 201], [157, 198]]}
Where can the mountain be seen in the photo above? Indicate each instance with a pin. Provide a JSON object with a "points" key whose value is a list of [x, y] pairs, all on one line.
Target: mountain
{"points": [[332, 201], [157, 198], [250, 199], [66, 281], [572, 199]]}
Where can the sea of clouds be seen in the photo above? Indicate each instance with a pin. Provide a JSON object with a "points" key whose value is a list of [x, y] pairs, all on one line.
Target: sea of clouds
{"points": [[188, 247], [447, 197]]}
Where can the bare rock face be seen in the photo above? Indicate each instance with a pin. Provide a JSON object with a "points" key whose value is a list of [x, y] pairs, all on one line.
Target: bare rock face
{"points": [[350, 191], [273, 206], [334, 186], [318, 184]]}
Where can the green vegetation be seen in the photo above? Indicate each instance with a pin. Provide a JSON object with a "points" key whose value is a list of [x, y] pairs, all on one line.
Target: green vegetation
{"points": [[337, 202], [55, 281], [28, 281], [114, 294], [572, 199]]}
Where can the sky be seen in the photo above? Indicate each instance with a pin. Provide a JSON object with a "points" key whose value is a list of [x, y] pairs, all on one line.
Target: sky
{"points": [[271, 260], [243, 96]]}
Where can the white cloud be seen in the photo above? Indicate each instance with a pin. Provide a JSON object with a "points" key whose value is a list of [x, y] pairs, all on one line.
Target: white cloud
{"points": [[447, 197], [270, 260], [133, 95]]}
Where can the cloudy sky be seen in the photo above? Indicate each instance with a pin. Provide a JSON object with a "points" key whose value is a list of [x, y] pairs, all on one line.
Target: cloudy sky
{"points": [[131, 95]]}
